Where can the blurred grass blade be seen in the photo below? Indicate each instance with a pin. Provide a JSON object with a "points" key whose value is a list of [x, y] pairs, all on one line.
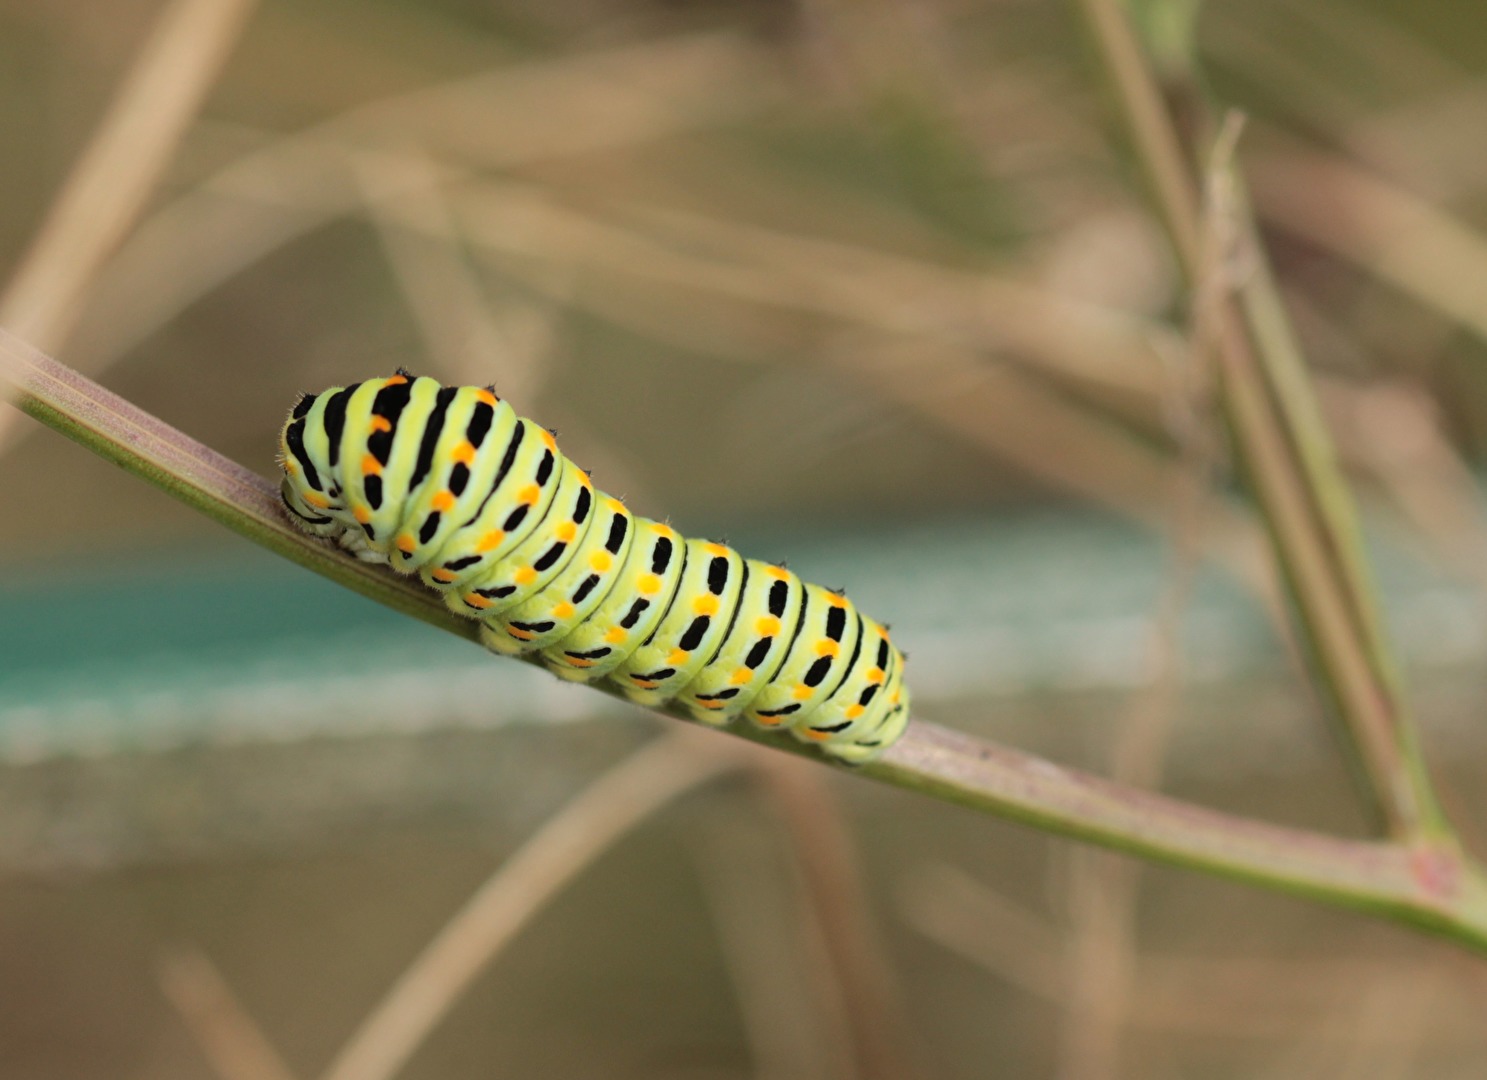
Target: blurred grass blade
{"points": [[519, 889], [227, 1035], [832, 885], [789, 999]]}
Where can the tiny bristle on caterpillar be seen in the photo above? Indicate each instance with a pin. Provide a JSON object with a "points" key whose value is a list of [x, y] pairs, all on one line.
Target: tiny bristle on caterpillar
{"points": [[449, 483]]}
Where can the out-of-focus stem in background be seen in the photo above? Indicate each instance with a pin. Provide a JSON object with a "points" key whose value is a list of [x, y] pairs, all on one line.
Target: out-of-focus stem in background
{"points": [[1280, 438]]}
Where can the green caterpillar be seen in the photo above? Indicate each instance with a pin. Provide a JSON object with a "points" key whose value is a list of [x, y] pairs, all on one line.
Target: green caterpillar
{"points": [[450, 483]]}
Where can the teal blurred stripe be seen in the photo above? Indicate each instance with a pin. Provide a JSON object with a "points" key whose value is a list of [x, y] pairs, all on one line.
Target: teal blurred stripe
{"points": [[145, 654]]}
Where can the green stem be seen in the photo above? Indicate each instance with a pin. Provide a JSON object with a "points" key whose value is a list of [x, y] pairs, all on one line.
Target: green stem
{"points": [[1279, 434], [1430, 884]]}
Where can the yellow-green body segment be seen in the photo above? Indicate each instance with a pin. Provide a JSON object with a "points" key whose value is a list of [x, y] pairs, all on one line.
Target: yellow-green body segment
{"points": [[449, 483]]}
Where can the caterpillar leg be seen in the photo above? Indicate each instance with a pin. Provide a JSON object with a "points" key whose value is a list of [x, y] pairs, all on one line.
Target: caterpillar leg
{"points": [[869, 744], [355, 542], [856, 719]]}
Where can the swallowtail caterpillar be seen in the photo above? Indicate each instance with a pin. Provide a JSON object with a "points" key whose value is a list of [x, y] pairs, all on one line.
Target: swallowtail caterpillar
{"points": [[449, 483]]}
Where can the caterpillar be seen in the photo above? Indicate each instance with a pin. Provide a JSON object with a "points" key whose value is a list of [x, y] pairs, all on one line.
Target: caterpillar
{"points": [[449, 483]]}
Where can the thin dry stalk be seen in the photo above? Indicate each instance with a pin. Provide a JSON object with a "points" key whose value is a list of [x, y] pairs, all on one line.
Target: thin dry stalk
{"points": [[1160, 154], [1101, 957], [121, 165], [232, 1042], [570, 841], [833, 886], [1103, 887], [791, 1000]]}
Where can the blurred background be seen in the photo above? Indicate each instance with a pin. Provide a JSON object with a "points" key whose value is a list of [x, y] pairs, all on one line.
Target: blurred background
{"points": [[867, 285]]}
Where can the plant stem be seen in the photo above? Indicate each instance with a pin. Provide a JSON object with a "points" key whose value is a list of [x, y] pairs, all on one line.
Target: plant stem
{"points": [[1396, 880], [1280, 438], [1429, 884]]}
